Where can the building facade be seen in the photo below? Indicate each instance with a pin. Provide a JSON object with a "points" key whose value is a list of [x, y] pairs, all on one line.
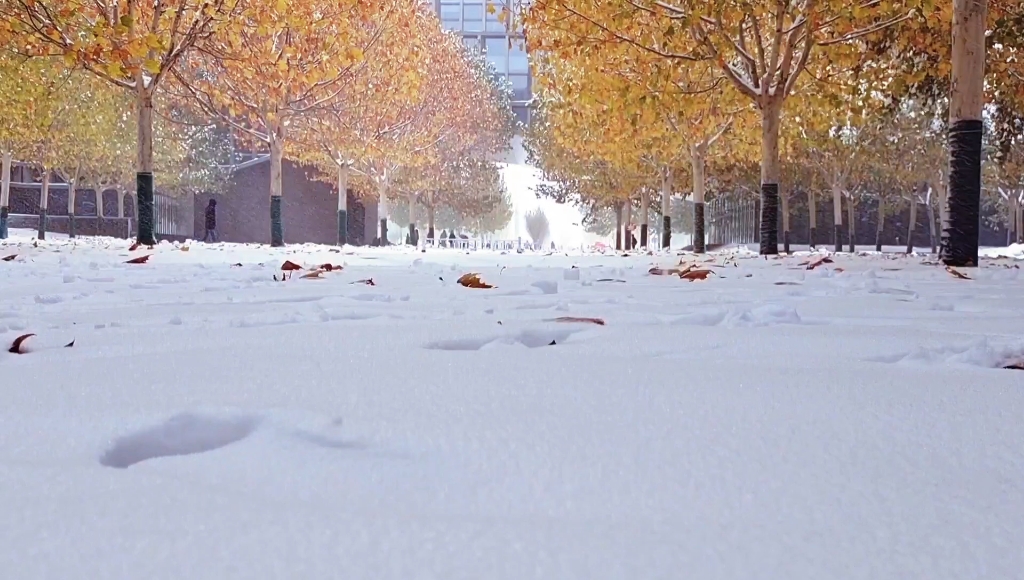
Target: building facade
{"points": [[501, 41]]}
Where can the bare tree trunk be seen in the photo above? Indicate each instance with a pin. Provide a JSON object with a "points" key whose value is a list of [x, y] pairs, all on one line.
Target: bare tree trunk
{"points": [[930, 211], [770, 122], [851, 228], [812, 217], [837, 216], [44, 198], [699, 193], [785, 222], [144, 186], [960, 226], [120, 205], [1020, 222], [383, 211], [412, 220], [913, 224], [666, 209], [618, 227], [430, 215], [628, 234], [276, 185], [71, 204], [101, 214], [5, 194], [645, 214], [343, 204], [881, 224]]}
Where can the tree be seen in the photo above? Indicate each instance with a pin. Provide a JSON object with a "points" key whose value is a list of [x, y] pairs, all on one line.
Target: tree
{"points": [[132, 44], [277, 62], [762, 48]]}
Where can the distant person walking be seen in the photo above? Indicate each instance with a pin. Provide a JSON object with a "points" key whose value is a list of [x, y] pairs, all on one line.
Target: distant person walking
{"points": [[211, 222]]}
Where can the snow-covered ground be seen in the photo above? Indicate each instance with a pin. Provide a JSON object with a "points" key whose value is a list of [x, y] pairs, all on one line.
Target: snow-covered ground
{"points": [[209, 422]]}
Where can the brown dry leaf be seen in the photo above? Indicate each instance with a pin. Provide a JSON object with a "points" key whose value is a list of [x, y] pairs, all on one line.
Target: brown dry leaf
{"points": [[185, 248], [1015, 366], [289, 265], [838, 270], [70, 344], [237, 265], [957, 274], [314, 274], [678, 271], [610, 280], [473, 281], [785, 283], [696, 275], [582, 319], [139, 260], [815, 263], [368, 282], [16, 346], [134, 247], [330, 267], [9, 258]]}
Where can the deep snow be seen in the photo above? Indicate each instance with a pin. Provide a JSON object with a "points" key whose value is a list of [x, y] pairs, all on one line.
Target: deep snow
{"points": [[769, 422]]}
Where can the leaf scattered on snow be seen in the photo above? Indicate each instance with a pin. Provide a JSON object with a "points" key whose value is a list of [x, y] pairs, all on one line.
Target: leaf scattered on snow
{"points": [[17, 345], [957, 274], [696, 275], [10, 258], [139, 260], [289, 266], [473, 281], [585, 320], [134, 247], [70, 344]]}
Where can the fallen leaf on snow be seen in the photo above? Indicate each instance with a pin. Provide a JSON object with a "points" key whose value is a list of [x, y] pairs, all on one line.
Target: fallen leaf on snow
{"points": [[368, 282], [330, 267], [139, 260], [610, 280], [289, 265], [185, 248], [134, 247], [16, 346], [957, 274], [473, 281], [696, 275], [10, 258], [70, 344], [583, 319], [812, 264], [314, 274]]}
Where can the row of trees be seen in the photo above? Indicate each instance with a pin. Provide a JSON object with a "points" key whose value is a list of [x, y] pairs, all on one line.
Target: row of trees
{"points": [[807, 99], [373, 94]]}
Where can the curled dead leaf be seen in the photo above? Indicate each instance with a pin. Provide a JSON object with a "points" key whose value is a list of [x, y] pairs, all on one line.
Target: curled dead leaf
{"points": [[610, 280], [185, 248], [581, 319], [70, 344], [473, 281], [368, 282], [134, 247], [314, 274], [17, 347], [9, 258], [957, 274], [289, 266], [328, 267], [812, 264], [1015, 366], [787, 283], [236, 265], [139, 260]]}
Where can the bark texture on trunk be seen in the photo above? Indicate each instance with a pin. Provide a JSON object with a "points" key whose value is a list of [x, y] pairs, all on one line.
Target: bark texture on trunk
{"points": [[769, 234], [851, 227], [430, 217], [961, 224], [5, 193], [627, 235], [276, 187], [144, 187], [71, 207], [382, 211], [697, 168], [932, 234], [699, 237]]}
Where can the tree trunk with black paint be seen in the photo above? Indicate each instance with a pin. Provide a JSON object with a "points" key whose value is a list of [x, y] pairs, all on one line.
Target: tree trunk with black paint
{"points": [[961, 225], [812, 217], [618, 227], [837, 216], [666, 209], [44, 199], [343, 204], [851, 226], [627, 235], [784, 199], [5, 193], [930, 212], [912, 225], [144, 186], [276, 187], [769, 230], [645, 214], [698, 167], [881, 224], [72, 183]]}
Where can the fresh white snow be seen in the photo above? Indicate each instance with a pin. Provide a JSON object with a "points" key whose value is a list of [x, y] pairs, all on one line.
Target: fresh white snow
{"points": [[209, 422]]}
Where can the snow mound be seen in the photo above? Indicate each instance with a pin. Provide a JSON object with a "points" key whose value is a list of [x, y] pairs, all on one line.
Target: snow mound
{"points": [[530, 338], [980, 353], [182, 434], [741, 317], [1015, 251]]}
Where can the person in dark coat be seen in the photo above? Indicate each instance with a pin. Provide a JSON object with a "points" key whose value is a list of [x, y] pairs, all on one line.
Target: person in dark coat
{"points": [[211, 222]]}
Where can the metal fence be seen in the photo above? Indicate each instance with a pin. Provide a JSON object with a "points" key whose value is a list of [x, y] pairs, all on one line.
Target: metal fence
{"points": [[731, 221], [174, 216]]}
